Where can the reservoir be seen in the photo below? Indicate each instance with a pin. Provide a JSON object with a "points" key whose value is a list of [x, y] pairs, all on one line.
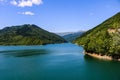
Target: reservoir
{"points": [[54, 62]]}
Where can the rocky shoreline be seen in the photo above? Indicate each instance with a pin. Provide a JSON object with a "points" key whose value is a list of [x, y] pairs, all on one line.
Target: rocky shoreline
{"points": [[104, 57]]}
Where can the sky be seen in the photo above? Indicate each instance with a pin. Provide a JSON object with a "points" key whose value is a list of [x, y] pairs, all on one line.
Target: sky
{"points": [[57, 15]]}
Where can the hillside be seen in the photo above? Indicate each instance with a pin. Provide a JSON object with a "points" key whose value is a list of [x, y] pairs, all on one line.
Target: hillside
{"points": [[28, 35], [104, 39]]}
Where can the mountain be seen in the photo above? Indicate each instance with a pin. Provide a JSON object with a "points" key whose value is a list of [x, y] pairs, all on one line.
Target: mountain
{"points": [[72, 36], [64, 33], [104, 39], [28, 35]]}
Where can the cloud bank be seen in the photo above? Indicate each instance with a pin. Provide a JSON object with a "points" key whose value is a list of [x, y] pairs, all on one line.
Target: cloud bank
{"points": [[26, 3], [27, 13]]}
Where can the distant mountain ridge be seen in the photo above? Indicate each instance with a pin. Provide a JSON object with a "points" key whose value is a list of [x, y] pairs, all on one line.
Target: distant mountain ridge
{"points": [[104, 39], [73, 36], [64, 33], [28, 34], [70, 36]]}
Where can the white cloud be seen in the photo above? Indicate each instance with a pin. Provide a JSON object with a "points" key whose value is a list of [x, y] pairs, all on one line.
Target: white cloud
{"points": [[13, 2], [26, 3], [27, 13]]}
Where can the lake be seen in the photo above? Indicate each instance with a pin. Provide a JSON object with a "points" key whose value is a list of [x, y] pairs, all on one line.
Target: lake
{"points": [[54, 62]]}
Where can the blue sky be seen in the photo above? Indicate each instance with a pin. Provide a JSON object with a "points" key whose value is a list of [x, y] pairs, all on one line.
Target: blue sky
{"points": [[57, 15]]}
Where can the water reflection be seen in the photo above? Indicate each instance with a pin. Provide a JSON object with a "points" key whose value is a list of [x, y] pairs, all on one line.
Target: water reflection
{"points": [[108, 70], [25, 52], [89, 58]]}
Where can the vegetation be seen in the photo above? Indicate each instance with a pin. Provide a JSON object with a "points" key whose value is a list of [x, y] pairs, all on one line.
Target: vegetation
{"points": [[103, 39], [28, 35]]}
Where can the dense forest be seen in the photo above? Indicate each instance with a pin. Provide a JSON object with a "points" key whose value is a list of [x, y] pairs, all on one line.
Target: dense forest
{"points": [[28, 35], [104, 39]]}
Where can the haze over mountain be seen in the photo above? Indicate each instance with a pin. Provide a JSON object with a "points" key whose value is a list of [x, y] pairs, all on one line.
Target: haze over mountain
{"points": [[64, 33], [28, 35], [104, 39], [70, 36]]}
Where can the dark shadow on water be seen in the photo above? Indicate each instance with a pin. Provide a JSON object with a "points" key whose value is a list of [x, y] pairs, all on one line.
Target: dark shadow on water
{"points": [[25, 53], [89, 58], [101, 69]]}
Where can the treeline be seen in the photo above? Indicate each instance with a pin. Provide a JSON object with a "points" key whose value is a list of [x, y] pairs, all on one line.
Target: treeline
{"points": [[28, 35], [103, 39]]}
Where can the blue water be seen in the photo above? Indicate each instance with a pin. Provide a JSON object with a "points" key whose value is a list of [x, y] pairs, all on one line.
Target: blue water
{"points": [[54, 62]]}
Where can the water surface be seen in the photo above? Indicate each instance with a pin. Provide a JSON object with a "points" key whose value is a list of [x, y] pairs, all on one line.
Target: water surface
{"points": [[54, 62]]}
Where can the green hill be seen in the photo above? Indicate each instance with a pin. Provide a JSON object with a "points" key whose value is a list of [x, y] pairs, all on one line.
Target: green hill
{"points": [[104, 39], [27, 35]]}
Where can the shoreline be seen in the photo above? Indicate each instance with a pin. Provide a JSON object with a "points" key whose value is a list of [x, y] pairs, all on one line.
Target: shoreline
{"points": [[105, 57]]}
